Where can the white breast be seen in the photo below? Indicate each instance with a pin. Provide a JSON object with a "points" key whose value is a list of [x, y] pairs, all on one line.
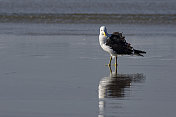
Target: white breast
{"points": [[104, 46]]}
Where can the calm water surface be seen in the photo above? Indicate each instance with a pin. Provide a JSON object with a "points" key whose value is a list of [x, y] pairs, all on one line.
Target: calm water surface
{"points": [[59, 70]]}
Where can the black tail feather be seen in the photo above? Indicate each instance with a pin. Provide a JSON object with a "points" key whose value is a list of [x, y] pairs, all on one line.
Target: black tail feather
{"points": [[139, 52]]}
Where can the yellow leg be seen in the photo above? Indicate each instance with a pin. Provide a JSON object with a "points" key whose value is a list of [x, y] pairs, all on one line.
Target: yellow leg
{"points": [[116, 71], [110, 69], [110, 61], [116, 64]]}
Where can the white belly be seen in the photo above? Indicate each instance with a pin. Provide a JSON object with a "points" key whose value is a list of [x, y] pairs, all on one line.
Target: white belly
{"points": [[108, 49]]}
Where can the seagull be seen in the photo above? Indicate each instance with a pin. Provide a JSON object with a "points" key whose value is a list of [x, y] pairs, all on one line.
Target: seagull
{"points": [[115, 44]]}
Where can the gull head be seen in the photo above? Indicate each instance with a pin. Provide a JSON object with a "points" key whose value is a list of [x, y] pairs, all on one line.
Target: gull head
{"points": [[103, 31]]}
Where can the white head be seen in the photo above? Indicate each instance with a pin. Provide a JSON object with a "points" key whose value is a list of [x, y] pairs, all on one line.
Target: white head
{"points": [[103, 31]]}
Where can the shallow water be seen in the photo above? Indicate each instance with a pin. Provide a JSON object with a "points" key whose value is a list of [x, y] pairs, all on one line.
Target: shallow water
{"points": [[59, 70]]}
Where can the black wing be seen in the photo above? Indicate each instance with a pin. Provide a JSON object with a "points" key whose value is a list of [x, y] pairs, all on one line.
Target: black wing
{"points": [[118, 43]]}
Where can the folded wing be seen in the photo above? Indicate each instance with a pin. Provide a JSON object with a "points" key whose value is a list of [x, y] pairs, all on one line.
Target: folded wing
{"points": [[119, 45]]}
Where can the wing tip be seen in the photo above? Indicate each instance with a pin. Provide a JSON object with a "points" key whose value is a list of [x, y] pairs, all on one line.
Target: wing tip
{"points": [[139, 52]]}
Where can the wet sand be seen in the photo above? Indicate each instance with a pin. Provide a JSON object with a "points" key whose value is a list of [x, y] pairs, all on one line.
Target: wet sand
{"points": [[51, 70]]}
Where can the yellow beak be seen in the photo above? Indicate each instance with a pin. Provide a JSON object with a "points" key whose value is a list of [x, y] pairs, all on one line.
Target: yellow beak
{"points": [[104, 34]]}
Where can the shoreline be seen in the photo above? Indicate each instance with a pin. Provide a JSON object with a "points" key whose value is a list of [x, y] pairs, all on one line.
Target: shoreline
{"points": [[88, 18]]}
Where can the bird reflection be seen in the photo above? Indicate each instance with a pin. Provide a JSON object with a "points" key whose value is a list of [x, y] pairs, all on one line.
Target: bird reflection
{"points": [[115, 85]]}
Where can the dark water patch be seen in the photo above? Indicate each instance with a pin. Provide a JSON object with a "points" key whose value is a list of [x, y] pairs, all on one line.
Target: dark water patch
{"points": [[90, 18]]}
